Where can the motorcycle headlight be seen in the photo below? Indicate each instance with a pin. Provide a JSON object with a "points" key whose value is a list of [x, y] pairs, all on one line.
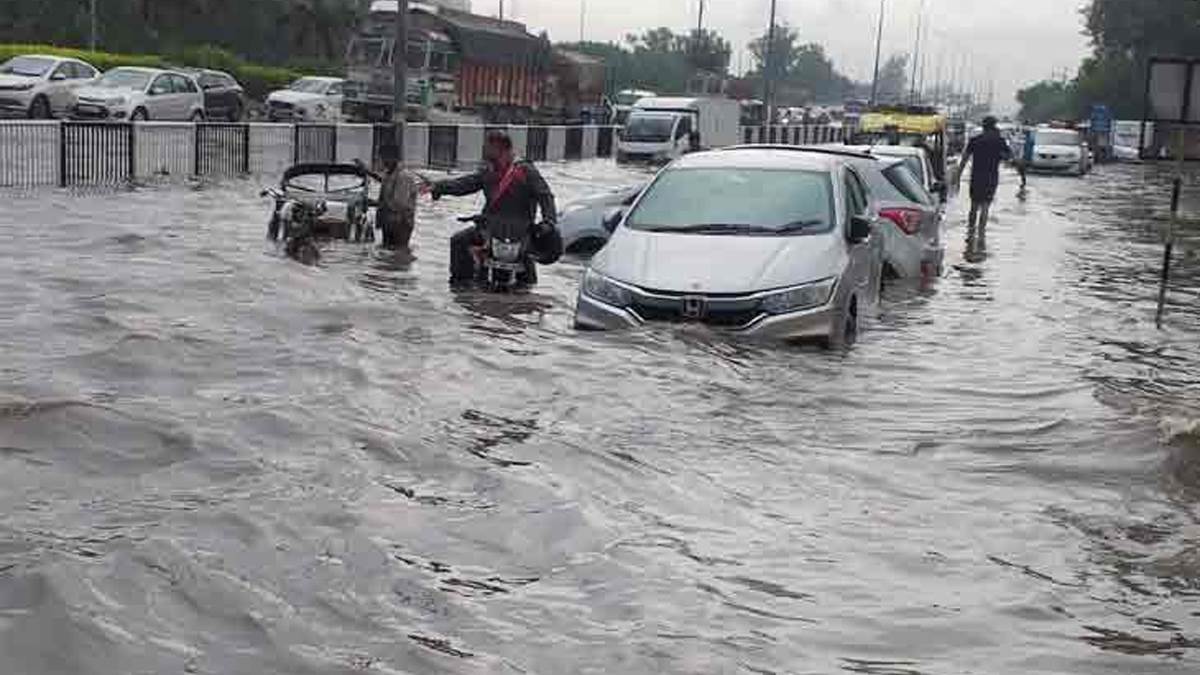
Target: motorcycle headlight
{"points": [[800, 297], [600, 287], [506, 251]]}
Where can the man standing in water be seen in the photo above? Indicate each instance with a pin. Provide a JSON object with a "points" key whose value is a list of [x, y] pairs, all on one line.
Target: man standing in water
{"points": [[397, 211], [986, 151]]}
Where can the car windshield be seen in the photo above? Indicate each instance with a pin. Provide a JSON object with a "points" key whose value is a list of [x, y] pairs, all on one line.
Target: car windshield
{"points": [[124, 79], [900, 178], [310, 86], [29, 66], [653, 128], [1052, 137], [733, 201]]}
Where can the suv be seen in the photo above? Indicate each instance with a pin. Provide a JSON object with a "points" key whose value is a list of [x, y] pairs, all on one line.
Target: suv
{"points": [[41, 87], [759, 241], [140, 94], [224, 98]]}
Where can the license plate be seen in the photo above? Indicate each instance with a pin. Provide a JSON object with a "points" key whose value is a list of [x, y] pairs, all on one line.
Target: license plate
{"points": [[84, 107]]}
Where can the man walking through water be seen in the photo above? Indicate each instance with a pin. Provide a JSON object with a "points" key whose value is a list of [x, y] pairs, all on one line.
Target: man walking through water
{"points": [[985, 151]]}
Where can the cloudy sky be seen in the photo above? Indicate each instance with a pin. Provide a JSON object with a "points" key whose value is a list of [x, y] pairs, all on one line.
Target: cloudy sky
{"points": [[1017, 41]]}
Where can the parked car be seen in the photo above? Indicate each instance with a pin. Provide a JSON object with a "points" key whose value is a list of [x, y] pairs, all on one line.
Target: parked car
{"points": [[1060, 151], [582, 221], [307, 99], [918, 161], [224, 98], [137, 94], [41, 87], [912, 215], [759, 241]]}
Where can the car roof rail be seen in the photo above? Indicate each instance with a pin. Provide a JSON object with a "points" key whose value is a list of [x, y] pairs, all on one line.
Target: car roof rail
{"points": [[814, 149]]}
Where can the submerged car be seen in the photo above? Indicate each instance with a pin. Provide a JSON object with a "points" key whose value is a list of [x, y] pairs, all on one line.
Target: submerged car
{"points": [[41, 87], [140, 94], [759, 241], [308, 99], [582, 222]]}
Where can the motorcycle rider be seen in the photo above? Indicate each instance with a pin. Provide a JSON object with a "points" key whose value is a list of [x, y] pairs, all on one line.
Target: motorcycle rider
{"points": [[514, 190]]}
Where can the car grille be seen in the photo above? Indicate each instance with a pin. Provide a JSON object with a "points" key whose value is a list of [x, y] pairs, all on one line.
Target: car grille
{"points": [[11, 102], [281, 105], [733, 311]]}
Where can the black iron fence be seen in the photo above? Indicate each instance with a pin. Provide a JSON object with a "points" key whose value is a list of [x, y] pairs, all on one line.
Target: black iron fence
{"points": [[536, 143], [573, 148], [443, 147]]}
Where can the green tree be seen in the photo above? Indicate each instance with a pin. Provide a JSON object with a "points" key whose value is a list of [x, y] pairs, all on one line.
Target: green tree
{"points": [[803, 73], [893, 79], [1048, 100]]}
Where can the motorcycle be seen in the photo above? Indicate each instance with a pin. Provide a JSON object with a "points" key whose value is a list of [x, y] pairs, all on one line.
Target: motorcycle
{"points": [[504, 260]]}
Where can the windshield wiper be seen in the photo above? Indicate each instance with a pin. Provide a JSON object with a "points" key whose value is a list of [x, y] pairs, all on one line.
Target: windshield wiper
{"points": [[799, 226], [703, 228]]}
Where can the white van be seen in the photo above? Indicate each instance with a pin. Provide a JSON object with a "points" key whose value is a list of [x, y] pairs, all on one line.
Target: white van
{"points": [[661, 129]]}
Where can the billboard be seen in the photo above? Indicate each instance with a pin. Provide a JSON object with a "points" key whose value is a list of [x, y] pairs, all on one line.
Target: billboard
{"points": [[1171, 117]]}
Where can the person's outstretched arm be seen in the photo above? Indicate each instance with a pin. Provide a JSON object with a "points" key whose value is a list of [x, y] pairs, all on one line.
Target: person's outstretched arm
{"points": [[459, 187]]}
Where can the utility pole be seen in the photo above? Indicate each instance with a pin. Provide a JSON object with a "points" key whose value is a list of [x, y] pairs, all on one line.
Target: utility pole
{"points": [[582, 14], [92, 40], [400, 75], [501, 10], [768, 63], [700, 19], [912, 91], [878, 48]]}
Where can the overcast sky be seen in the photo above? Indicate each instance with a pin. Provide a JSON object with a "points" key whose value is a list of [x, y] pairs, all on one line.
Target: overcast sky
{"points": [[1019, 41]]}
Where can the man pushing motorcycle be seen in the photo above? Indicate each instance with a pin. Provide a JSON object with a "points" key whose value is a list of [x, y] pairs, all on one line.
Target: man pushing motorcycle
{"points": [[514, 192]]}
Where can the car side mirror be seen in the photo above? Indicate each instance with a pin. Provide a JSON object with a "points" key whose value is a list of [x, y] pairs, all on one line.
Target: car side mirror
{"points": [[860, 229], [612, 218]]}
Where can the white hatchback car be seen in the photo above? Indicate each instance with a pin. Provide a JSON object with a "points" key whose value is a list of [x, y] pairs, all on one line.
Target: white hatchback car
{"points": [[769, 242], [140, 94], [41, 87]]}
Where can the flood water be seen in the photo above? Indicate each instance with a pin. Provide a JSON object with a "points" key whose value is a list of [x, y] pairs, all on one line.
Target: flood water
{"points": [[215, 460]]}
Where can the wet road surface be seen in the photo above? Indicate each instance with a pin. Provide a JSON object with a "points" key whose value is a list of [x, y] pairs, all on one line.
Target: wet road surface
{"points": [[215, 460]]}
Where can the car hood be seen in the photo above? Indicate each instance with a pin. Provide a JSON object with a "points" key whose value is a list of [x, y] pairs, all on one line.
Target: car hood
{"points": [[295, 97], [103, 93], [16, 80], [1058, 149], [698, 263]]}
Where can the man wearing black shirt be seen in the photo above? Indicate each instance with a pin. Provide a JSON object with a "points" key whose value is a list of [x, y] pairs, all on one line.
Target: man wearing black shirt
{"points": [[986, 151]]}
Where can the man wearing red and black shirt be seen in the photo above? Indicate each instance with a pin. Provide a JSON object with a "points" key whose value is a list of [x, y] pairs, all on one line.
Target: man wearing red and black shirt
{"points": [[514, 190]]}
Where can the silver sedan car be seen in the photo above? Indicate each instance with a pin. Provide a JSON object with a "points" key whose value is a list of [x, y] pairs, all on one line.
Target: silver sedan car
{"points": [[769, 242]]}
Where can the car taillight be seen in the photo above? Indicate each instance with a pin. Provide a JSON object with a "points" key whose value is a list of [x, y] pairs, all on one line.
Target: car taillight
{"points": [[908, 220]]}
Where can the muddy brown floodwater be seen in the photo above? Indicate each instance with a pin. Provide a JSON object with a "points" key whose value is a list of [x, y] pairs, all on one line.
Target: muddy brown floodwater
{"points": [[214, 460]]}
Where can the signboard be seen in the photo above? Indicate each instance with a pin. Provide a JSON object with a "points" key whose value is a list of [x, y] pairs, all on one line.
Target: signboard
{"points": [[1102, 119], [1171, 118]]}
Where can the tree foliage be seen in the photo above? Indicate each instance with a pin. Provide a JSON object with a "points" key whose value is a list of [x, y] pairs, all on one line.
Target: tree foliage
{"points": [[1124, 35], [659, 59], [803, 73]]}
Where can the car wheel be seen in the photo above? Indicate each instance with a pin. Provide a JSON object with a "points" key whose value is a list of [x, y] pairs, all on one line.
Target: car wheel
{"points": [[139, 115], [40, 109], [845, 334]]}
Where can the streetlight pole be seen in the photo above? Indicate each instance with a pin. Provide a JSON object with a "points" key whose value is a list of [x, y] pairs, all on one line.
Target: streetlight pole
{"points": [[878, 49], [92, 39], [400, 75], [768, 63], [912, 93]]}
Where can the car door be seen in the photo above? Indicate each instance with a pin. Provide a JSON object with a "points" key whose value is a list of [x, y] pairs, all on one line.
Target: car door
{"points": [[58, 87], [159, 103], [210, 87], [188, 97], [333, 101], [866, 267]]}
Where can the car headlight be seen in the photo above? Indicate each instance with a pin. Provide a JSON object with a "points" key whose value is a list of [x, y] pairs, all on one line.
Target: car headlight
{"points": [[800, 297], [600, 287]]}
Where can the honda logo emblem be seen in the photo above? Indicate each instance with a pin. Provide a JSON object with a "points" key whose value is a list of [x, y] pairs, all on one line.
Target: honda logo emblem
{"points": [[694, 307]]}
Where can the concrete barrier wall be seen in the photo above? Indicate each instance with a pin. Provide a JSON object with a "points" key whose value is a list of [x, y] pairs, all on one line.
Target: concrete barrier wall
{"points": [[556, 144]]}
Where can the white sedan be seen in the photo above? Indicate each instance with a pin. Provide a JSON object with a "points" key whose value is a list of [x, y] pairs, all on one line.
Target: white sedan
{"points": [[41, 87], [308, 99]]}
